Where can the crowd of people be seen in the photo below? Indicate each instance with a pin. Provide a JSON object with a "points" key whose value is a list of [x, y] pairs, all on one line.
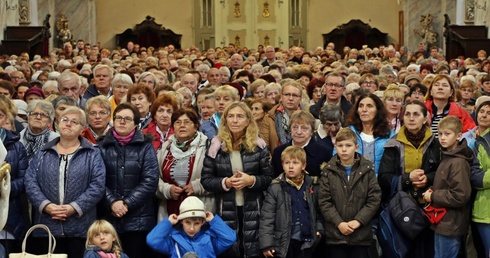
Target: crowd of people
{"points": [[239, 152]]}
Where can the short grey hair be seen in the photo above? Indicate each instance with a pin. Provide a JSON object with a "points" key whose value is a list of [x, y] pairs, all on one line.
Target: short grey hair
{"points": [[77, 111], [101, 66], [44, 105], [331, 112], [122, 77], [63, 100], [50, 83], [67, 76]]}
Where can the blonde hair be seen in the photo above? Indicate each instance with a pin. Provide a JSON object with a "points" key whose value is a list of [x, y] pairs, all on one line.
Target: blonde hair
{"points": [[248, 140], [452, 123], [393, 91], [103, 226], [294, 152]]}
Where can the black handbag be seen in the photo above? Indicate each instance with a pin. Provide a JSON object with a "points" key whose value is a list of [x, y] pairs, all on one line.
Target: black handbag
{"points": [[406, 213]]}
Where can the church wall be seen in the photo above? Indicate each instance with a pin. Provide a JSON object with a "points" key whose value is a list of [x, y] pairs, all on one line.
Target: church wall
{"points": [[115, 16], [324, 16]]}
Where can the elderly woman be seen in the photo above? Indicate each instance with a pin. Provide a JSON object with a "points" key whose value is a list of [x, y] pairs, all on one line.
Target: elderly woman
{"points": [[149, 79], [257, 88], [467, 89], [441, 103], [180, 162], [11, 235], [411, 157], [60, 104], [367, 118], [223, 97], [40, 115], [132, 179], [257, 71], [142, 97], [272, 91], [237, 170], [120, 86], [64, 183], [331, 120], [160, 126], [315, 90], [259, 108], [98, 111], [302, 128], [393, 99], [418, 92]]}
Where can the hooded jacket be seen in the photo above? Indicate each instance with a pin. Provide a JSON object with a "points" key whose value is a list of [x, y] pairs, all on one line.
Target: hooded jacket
{"points": [[480, 178], [452, 190]]}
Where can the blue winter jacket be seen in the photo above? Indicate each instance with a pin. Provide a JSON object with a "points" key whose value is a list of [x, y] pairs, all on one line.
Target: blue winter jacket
{"points": [[209, 128], [17, 158], [165, 238], [379, 147], [132, 176], [84, 187]]}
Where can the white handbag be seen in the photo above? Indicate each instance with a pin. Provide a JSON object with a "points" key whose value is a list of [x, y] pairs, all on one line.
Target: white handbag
{"points": [[51, 246]]}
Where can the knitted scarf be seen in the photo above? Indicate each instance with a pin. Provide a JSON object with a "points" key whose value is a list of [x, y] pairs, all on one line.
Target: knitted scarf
{"points": [[184, 146], [123, 140], [34, 142], [416, 138], [103, 254]]}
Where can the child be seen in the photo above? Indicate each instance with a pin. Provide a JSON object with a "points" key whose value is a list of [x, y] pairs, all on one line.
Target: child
{"points": [[190, 235], [290, 210], [349, 198], [451, 189], [103, 241]]}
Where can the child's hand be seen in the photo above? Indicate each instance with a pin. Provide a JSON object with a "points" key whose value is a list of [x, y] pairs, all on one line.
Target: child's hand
{"points": [[173, 219], [427, 195], [269, 253], [209, 216], [354, 224], [345, 229]]}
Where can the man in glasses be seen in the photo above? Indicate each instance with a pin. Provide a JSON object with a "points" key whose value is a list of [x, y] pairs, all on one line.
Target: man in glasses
{"points": [[333, 88]]}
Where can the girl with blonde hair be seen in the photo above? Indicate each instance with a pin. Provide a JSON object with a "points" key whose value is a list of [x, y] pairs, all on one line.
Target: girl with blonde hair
{"points": [[103, 241]]}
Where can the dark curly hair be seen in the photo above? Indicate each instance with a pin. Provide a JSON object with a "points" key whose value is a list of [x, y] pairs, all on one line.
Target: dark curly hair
{"points": [[314, 83], [381, 126]]}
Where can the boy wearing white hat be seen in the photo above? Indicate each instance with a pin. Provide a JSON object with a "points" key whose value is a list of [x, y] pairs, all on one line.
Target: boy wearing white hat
{"points": [[199, 232]]}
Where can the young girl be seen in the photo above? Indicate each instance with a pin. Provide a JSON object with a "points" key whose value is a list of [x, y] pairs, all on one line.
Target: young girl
{"points": [[103, 241]]}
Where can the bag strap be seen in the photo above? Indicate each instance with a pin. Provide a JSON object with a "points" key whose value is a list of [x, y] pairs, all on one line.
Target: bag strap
{"points": [[51, 239], [177, 249], [396, 185]]}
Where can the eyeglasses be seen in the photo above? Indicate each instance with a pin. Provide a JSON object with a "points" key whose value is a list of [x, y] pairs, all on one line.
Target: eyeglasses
{"points": [[303, 128], [183, 122], [65, 120], [41, 114], [417, 93], [289, 95], [317, 90], [334, 85], [100, 113], [126, 119]]}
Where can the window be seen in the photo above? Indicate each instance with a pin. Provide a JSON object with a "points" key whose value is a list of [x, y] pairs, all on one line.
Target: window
{"points": [[207, 19], [295, 13]]}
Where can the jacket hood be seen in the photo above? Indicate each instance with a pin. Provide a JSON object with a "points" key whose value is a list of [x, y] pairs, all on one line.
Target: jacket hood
{"points": [[11, 137], [461, 151]]}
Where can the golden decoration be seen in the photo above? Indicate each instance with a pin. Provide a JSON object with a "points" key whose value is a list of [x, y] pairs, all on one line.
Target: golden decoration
{"points": [[237, 10], [265, 12]]}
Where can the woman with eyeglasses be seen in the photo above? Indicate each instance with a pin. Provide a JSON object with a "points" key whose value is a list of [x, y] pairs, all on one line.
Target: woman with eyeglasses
{"points": [[64, 182], [302, 128], [236, 169], [132, 179], [40, 115], [98, 111], [180, 162]]}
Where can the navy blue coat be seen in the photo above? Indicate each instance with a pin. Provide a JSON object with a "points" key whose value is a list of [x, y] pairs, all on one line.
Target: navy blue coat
{"points": [[132, 176], [316, 155], [85, 180], [17, 158]]}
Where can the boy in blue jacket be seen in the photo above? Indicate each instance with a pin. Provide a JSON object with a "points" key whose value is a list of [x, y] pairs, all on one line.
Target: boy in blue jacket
{"points": [[190, 235]]}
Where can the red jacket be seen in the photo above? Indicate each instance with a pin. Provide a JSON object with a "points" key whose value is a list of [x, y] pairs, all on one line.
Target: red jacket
{"points": [[457, 111], [152, 130]]}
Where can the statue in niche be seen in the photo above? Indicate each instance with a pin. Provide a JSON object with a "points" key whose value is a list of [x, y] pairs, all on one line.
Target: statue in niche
{"points": [[427, 32], [23, 13], [470, 11], [64, 33]]}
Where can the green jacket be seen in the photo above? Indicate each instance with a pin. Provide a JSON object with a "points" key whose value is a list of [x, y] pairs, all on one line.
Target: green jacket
{"points": [[480, 178]]}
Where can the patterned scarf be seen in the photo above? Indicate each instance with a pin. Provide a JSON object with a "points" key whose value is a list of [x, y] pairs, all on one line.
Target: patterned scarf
{"points": [[34, 142], [184, 146], [3, 134], [282, 125]]}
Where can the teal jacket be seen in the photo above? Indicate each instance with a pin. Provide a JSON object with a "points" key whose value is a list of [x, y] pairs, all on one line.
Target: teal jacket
{"points": [[480, 178]]}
